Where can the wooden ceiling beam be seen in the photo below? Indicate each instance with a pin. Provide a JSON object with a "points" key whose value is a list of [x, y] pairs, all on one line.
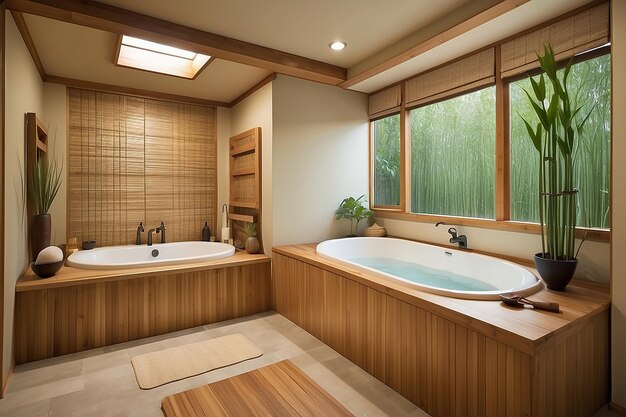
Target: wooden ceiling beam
{"points": [[109, 88], [117, 20], [504, 6], [28, 41]]}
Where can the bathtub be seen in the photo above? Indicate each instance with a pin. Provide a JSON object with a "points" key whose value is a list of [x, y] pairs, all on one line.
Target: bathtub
{"points": [[119, 257], [432, 268]]}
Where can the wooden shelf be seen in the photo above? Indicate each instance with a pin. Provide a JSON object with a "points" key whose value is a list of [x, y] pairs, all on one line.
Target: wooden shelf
{"points": [[242, 217], [243, 171], [243, 149], [41, 146], [244, 204], [245, 183]]}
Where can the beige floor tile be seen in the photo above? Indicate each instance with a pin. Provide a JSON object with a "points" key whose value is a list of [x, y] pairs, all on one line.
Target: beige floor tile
{"points": [[35, 409], [24, 378], [41, 392]]}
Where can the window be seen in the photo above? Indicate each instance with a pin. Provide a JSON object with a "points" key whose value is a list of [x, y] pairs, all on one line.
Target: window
{"points": [[453, 156], [457, 147], [155, 57], [386, 145], [591, 80]]}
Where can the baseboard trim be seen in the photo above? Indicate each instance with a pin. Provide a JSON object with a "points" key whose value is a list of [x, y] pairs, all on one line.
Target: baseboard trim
{"points": [[617, 409]]}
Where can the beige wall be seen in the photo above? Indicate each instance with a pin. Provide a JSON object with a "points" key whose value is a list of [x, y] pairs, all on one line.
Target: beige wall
{"points": [[256, 111], [55, 117], [24, 93], [319, 157], [618, 210]]}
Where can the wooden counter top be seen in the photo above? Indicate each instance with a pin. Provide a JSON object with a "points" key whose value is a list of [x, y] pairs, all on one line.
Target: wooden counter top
{"points": [[69, 276], [524, 328]]}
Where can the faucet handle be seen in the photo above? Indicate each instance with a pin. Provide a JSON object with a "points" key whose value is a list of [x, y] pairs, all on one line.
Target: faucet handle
{"points": [[163, 226], [140, 227]]}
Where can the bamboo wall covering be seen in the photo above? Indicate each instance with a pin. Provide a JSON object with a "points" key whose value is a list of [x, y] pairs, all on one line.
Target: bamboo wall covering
{"points": [[134, 160], [447, 367], [57, 321]]}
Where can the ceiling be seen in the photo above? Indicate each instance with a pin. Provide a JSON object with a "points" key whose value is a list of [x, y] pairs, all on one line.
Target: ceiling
{"points": [[374, 30]]}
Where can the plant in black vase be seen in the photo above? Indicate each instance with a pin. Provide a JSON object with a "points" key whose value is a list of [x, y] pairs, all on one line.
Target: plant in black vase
{"points": [[44, 184], [555, 139]]}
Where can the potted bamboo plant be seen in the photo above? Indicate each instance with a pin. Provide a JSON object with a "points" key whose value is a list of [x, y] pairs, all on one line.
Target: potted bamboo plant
{"points": [[43, 187], [352, 209], [555, 138]]}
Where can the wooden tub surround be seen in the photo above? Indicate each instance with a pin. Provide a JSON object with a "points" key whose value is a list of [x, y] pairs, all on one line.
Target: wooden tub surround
{"points": [[82, 309], [453, 357]]}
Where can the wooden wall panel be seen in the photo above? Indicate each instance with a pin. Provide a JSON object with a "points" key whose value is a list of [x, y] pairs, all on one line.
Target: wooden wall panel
{"points": [[56, 321], [443, 367], [133, 159]]}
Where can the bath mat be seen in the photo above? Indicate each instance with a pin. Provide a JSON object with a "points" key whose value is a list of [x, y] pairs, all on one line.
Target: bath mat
{"points": [[280, 389], [169, 365]]}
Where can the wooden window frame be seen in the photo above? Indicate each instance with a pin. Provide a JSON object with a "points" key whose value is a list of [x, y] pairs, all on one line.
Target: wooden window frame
{"points": [[503, 193], [403, 177]]}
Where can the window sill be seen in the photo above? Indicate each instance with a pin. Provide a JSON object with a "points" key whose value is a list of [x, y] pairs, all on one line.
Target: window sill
{"points": [[597, 235]]}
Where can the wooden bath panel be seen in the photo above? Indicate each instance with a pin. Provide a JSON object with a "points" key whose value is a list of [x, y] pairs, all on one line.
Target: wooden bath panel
{"points": [[452, 357], [54, 321]]}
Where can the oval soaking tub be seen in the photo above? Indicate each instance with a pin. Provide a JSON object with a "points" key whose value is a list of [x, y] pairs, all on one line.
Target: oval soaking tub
{"points": [[119, 257], [432, 268]]}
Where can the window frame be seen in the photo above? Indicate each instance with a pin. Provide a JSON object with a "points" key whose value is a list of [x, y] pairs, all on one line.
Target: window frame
{"points": [[502, 219], [372, 160]]}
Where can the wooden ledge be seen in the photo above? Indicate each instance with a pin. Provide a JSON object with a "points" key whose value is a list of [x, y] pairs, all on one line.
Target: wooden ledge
{"points": [[525, 329], [69, 276]]}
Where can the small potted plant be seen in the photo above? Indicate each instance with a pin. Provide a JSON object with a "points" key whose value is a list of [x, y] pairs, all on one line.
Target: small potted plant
{"points": [[43, 187], [353, 210], [252, 244], [555, 138]]}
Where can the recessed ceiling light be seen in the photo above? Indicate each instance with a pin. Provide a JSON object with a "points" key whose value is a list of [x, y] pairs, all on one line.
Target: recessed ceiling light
{"points": [[155, 57], [337, 45]]}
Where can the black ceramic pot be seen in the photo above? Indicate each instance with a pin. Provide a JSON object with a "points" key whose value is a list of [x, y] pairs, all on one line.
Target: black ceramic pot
{"points": [[40, 233], [555, 273]]}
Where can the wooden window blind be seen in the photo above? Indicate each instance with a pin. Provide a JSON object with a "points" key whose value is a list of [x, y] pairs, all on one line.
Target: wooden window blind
{"points": [[385, 102], [583, 31], [466, 74], [132, 159]]}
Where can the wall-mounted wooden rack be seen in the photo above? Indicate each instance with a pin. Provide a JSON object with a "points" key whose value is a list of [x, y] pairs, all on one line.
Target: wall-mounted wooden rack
{"points": [[35, 146], [245, 183]]}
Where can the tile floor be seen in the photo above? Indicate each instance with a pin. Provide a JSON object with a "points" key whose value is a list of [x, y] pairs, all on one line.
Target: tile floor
{"points": [[101, 382]]}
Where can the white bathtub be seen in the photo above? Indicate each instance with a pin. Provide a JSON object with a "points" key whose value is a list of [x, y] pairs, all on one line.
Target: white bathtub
{"points": [[116, 257], [427, 267]]}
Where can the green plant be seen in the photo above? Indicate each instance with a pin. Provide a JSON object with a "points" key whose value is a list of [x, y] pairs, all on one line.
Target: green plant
{"points": [[251, 229], [353, 210], [555, 139], [44, 184]]}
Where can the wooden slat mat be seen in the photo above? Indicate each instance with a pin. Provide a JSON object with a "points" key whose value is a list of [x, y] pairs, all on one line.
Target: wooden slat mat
{"points": [[280, 389]]}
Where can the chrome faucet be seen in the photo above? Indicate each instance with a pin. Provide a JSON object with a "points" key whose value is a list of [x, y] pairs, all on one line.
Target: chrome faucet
{"points": [[461, 240], [139, 232], [160, 229]]}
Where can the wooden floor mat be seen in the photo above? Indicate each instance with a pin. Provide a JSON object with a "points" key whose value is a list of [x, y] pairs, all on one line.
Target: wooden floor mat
{"points": [[280, 389], [158, 368]]}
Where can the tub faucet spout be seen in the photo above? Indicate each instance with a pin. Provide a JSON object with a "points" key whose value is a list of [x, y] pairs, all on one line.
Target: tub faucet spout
{"points": [[162, 230], [139, 232], [461, 240], [150, 236]]}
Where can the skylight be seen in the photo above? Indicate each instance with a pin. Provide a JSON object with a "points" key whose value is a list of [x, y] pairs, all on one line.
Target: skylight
{"points": [[156, 57]]}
